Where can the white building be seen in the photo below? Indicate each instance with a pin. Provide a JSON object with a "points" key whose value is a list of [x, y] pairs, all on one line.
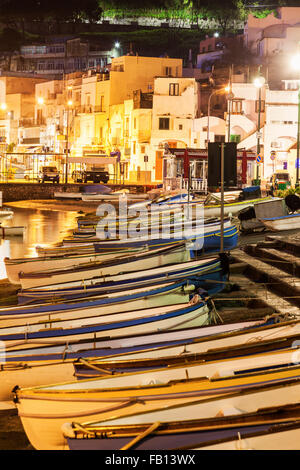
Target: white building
{"points": [[273, 34], [175, 103], [278, 119]]}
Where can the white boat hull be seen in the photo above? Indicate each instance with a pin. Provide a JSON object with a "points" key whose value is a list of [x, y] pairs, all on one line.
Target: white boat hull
{"points": [[160, 259], [176, 296], [11, 231], [287, 439], [44, 411], [289, 222], [194, 318], [44, 263]]}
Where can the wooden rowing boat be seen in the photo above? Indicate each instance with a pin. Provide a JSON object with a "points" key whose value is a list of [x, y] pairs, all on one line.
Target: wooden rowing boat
{"points": [[161, 256], [179, 433], [11, 231], [281, 436], [14, 266], [111, 274], [194, 313], [101, 347], [28, 370], [286, 222], [141, 298], [43, 410]]}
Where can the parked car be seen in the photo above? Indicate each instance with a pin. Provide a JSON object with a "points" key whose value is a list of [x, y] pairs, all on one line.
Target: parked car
{"points": [[96, 175], [28, 174], [48, 173], [279, 180]]}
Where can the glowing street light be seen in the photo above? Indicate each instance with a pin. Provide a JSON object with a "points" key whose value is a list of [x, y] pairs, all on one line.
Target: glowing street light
{"points": [[40, 100], [117, 44], [69, 104], [3, 106]]}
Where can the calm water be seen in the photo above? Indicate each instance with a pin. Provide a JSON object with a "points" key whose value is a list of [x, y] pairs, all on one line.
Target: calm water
{"points": [[42, 227]]}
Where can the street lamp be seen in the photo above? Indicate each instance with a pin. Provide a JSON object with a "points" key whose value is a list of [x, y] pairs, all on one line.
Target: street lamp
{"points": [[296, 66], [222, 90], [69, 105], [259, 83]]}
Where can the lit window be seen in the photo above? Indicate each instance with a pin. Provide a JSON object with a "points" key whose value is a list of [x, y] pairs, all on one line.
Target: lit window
{"points": [[236, 107], [174, 89]]}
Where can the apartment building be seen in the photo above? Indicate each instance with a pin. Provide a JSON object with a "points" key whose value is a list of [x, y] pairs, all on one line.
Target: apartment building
{"points": [[61, 56], [277, 32], [17, 107], [278, 123]]}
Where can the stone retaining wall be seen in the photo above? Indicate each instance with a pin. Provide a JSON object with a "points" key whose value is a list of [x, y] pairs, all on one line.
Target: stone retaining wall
{"points": [[31, 191]]}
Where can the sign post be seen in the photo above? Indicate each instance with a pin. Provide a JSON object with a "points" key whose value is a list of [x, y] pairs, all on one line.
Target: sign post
{"points": [[222, 199], [145, 161]]}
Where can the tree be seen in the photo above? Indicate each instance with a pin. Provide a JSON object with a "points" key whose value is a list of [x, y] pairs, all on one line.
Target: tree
{"points": [[10, 42]]}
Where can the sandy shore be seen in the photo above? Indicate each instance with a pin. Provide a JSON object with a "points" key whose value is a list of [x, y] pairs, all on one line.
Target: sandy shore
{"points": [[55, 205], [12, 435]]}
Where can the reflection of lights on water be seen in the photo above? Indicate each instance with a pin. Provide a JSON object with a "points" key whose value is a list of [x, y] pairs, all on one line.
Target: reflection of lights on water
{"points": [[43, 228]]}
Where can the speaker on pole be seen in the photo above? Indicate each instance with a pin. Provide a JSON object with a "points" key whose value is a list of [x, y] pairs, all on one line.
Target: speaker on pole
{"points": [[214, 165]]}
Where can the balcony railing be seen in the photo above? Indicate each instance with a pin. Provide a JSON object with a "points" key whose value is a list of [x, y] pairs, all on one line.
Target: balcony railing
{"points": [[31, 122], [197, 184], [89, 109]]}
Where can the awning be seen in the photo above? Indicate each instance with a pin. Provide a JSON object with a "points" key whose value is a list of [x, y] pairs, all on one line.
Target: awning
{"points": [[102, 160]]}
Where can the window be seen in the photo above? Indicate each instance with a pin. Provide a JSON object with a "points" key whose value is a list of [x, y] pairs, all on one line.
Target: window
{"points": [[134, 147], [164, 123], [235, 138], [168, 71], [143, 149], [262, 106], [180, 127], [219, 138], [102, 103], [134, 123], [236, 106], [174, 89]]}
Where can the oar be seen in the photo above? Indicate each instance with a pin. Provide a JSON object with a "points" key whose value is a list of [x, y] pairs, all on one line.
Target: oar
{"points": [[142, 435]]}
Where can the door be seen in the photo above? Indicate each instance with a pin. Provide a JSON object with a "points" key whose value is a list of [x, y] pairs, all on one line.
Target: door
{"points": [[158, 166]]}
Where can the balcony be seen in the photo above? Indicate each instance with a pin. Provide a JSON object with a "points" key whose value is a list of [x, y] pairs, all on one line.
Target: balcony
{"points": [[89, 109], [31, 122], [142, 100]]}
